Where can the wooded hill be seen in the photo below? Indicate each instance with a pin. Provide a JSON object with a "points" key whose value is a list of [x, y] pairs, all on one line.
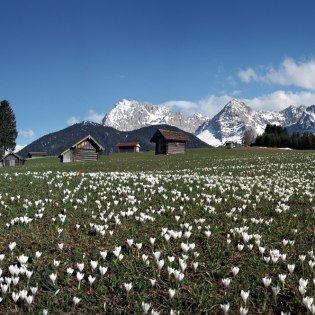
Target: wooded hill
{"points": [[56, 142]]}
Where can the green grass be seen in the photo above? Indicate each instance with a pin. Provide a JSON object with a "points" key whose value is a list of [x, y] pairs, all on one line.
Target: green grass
{"points": [[266, 195], [148, 161]]}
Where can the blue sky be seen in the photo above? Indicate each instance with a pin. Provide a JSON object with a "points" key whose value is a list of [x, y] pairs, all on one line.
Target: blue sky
{"points": [[65, 61]]}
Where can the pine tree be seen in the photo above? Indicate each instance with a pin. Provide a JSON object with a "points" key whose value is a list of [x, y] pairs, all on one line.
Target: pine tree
{"points": [[8, 132]]}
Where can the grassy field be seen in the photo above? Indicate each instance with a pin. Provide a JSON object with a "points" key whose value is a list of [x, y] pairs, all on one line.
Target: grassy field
{"points": [[213, 231]]}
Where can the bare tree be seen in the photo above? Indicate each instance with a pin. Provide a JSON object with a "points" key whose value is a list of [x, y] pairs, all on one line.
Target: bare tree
{"points": [[249, 136]]}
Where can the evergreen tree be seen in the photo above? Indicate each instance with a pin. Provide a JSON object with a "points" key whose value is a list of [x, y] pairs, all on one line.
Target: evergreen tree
{"points": [[277, 136], [8, 132]]}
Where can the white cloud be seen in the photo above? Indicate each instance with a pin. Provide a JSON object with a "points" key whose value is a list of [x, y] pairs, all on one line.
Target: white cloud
{"points": [[207, 106], [93, 116], [72, 120], [181, 105], [248, 75], [27, 133], [276, 101], [279, 100], [290, 72]]}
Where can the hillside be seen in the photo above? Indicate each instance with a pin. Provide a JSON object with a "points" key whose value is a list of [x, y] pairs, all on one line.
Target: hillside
{"points": [[56, 142]]}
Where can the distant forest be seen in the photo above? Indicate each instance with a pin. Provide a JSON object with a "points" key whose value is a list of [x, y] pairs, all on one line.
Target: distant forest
{"points": [[277, 136]]}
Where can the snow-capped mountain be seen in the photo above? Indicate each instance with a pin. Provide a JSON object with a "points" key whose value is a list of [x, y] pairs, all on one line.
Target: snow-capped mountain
{"points": [[305, 121], [231, 122], [130, 115], [228, 125]]}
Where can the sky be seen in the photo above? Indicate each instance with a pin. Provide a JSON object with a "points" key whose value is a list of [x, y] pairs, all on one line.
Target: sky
{"points": [[65, 61]]}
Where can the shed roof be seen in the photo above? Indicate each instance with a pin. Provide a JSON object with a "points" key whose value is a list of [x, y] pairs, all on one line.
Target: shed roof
{"points": [[38, 153], [128, 144], [170, 135], [89, 137], [12, 153]]}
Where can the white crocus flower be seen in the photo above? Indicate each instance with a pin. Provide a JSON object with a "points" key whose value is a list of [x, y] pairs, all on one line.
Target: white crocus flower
{"points": [[53, 277], [93, 264], [171, 293], [128, 286]]}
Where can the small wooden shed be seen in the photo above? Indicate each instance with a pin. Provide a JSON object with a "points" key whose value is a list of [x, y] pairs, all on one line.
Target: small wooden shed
{"points": [[169, 142], [35, 155], [87, 149], [229, 144], [125, 147], [11, 159]]}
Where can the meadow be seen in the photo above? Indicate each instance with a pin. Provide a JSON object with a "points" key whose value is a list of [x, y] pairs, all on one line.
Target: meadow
{"points": [[213, 231]]}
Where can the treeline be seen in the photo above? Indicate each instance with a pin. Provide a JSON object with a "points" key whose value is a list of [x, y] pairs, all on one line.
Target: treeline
{"points": [[277, 136]]}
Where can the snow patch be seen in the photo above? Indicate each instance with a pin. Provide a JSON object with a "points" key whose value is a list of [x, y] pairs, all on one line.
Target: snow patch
{"points": [[207, 137], [19, 147]]}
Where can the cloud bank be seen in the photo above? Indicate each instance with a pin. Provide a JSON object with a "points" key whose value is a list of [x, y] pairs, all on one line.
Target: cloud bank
{"points": [[275, 101], [91, 115], [207, 106], [72, 120], [94, 116], [300, 75], [27, 133], [290, 72], [279, 100]]}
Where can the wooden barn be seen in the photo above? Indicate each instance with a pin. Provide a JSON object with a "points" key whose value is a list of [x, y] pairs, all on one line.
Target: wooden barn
{"points": [[125, 147], [87, 149], [11, 159], [169, 142], [35, 155], [229, 144]]}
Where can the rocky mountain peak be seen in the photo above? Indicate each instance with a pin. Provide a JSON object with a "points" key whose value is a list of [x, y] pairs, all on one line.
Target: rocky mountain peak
{"points": [[236, 106], [130, 115], [231, 122], [228, 125]]}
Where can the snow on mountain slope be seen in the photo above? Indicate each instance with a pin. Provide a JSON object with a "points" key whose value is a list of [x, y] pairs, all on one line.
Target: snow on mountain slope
{"points": [[207, 137], [130, 115], [228, 125], [231, 122]]}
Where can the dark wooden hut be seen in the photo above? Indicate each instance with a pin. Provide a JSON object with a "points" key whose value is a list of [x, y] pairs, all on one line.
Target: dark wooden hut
{"points": [[229, 144], [87, 149], [11, 159], [125, 147], [34, 155], [169, 142]]}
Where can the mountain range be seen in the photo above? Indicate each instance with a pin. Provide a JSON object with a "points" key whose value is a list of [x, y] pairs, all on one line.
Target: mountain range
{"points": [[231, 122], [135, 121], [57, 142], [228, 125], [131, 115]]}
